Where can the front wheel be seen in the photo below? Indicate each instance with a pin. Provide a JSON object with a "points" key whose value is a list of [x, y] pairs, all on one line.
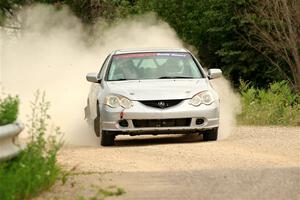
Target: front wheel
{"points": [[211, 135], [107, 138]]}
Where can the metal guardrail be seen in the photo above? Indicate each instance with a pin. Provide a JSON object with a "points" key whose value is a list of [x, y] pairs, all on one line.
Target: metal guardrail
{"points": [[8, 133], [8, 140]]}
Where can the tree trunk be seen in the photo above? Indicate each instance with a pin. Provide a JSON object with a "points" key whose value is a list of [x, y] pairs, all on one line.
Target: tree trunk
{"points": [[293, 45]]}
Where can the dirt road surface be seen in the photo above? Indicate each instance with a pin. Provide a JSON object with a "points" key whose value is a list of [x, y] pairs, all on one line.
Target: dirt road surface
{"points": [[253, 163]]}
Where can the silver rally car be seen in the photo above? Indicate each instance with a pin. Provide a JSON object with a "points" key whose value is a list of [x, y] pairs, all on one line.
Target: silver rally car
{"points": [[152, 91]]}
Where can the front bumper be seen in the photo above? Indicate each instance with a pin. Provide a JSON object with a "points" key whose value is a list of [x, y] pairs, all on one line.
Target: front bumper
{"points": [[110, 118]]}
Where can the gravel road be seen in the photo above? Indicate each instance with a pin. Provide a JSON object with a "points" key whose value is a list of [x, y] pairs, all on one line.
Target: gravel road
{"points": [[253, 163]]}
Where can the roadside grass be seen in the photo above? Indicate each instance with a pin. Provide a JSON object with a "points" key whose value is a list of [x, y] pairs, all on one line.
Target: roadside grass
{"points": [[36, 168], [277, 105], [101, 194], [9, 107]]}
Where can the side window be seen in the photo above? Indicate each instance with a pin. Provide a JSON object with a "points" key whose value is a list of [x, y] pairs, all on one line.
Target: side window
{"points": [[102, 70]]}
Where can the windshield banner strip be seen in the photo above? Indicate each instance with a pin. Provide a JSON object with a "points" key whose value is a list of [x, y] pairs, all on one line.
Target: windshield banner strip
{"points": [[141, 55]]}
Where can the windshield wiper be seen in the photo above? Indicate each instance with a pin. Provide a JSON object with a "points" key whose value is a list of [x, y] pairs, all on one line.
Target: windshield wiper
{"points": [[174, 77], [123, 79]]}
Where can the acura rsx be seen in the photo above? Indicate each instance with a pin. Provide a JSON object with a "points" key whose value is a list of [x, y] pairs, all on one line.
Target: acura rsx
{"points": [[152, 91]]}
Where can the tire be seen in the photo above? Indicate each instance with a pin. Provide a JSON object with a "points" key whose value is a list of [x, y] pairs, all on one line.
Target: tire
{"points": [[97, 127], [107, 138], [211, 135]]}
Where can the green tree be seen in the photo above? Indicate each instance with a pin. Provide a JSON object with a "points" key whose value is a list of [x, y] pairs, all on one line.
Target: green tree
{"points": [[276, 25], [217, 32]]}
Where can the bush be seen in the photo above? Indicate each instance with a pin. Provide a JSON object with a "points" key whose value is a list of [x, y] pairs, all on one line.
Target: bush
{"points": [[277, 105], [35, 169], [9, 107]]}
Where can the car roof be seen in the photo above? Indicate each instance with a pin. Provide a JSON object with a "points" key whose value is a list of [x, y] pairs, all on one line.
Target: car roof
{"points": [[150, 50]]}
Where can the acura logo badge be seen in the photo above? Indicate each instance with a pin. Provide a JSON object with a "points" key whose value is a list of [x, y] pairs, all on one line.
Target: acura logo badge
{"points": [[161, 104]]}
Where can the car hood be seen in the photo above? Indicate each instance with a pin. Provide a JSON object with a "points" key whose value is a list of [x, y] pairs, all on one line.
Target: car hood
{"points": [[158, 89]]}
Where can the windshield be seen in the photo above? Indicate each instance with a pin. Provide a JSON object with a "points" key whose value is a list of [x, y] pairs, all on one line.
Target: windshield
{"points": [[140, 66]]}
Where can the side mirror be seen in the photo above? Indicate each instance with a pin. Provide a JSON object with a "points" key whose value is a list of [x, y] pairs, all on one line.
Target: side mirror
{"points": [[214, 73], [92, 77]]}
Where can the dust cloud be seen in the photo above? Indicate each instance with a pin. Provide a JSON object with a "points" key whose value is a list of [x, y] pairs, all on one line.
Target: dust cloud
{"points": [[53, 52], [229, 107]]}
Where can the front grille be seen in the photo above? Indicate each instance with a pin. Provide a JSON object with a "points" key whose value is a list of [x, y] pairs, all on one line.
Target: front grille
{"points": [[161, 122], [161, 103]]}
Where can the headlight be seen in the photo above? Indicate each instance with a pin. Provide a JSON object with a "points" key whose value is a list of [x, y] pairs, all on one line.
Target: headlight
{"points": [[112, 101], [205, 97], [115, 101], [125, 103]]}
